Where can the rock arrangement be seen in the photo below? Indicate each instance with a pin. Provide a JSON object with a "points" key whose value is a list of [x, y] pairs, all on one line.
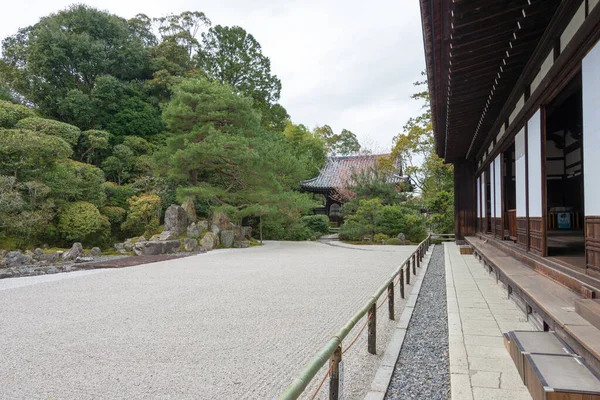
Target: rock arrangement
{"points": [[29, 263], [184, 232]]}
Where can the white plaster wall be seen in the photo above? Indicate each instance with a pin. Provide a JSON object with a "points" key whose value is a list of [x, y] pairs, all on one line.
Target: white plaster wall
{"points": [[573, 27], [591, 130], [479, 197], [483, 199], [498, 183], [534, 157], [520, 174], [492, 190]]}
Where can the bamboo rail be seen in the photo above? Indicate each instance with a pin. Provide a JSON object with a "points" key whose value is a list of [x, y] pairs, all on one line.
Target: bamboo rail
{"points": [[331, 351]]}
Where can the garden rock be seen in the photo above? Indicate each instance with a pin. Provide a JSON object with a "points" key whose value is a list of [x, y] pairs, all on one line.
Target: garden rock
{"points": [[245, 232], [401, 238], [49, 258], [128, 244], [190, 210], [200, 249], [222, 221], [176, 219], [190, 244], [16, 259], [227, 238], [210, 241], [152, 248], [167, 235], [75, 251], [194, 230], [95, 251], [202, 225], [79, 260], [38, 253], [241, 245], [215, 229]]}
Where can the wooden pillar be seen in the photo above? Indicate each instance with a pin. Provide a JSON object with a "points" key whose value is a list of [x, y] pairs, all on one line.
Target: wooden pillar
{"points": [[465, 202]]}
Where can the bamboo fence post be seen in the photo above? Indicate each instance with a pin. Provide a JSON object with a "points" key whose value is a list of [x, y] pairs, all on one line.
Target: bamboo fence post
{"points": [[391, 300], [372, 325], [334, 375]]}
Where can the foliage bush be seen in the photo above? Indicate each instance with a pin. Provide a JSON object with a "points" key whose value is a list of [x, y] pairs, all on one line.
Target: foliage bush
{"points": [[143, 216], [319, 224], [299, 231], [82, 222], [352, 231], [380, 237], [68, 133], [118, 196], [393, 220], [76, 181], [23, 154], [116, 216], [11, 113]]}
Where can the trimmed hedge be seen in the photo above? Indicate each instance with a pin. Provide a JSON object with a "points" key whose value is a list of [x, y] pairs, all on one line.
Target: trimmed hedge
{"points": [[68, 133]]}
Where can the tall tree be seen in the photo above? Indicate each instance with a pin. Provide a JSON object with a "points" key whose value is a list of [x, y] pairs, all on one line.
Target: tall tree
{"points": [[233, 56], [68, 51], [342, 144], [427, 172]]}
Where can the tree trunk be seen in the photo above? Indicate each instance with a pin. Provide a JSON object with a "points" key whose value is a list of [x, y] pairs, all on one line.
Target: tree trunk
{"points": [[193, 177], [260, 229]]}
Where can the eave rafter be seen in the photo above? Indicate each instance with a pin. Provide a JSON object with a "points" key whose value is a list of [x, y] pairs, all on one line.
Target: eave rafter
{"points": [[476, 51]]}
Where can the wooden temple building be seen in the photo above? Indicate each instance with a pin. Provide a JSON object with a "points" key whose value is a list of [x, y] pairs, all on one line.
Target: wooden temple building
{"points": [[337, 176], [515, 100]]}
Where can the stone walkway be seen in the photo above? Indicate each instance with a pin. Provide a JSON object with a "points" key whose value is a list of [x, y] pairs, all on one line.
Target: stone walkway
{"points": [[228, 324], [478, 313]]}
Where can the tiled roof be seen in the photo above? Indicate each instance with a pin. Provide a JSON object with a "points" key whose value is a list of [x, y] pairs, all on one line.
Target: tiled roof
{"points": [[338, 170]]}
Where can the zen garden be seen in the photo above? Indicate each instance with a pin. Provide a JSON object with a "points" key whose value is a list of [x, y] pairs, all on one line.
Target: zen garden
{"points": [[168, 229]]}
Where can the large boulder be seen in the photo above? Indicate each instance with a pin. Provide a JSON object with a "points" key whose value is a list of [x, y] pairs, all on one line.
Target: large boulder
{"points": [[75, 251], [227, 238], [95, 251], [50, 258], [190, 210], [176, 220], [38, 253], [153, 248], [222, 221], [401, 238], [190, 244], [210, 241], [202, 225], [16, 259], [215, 229]]}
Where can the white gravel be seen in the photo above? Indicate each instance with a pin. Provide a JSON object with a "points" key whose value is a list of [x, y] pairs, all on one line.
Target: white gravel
{"points": [[222, 325]]}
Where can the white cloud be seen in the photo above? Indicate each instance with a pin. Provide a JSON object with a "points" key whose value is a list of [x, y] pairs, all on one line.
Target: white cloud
{"points": [[349, 64]]}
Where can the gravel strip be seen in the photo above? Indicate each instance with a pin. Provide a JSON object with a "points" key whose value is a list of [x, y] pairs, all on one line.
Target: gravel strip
{"points": [[422, 370]]}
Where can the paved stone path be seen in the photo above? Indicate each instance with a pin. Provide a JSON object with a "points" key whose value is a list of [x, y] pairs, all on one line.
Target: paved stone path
{"points": [[223, 325], [478, 313]]}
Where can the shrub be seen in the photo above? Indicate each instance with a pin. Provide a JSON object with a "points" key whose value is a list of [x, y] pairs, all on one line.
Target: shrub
{"points": [[76, 181], [352, 231], [116, 216], [319, 224], [82, 222], [143, 215], [11, 113], [68, 133], [380, 237], [298, 231], [118, 196], [393, 220], [393, 242]]}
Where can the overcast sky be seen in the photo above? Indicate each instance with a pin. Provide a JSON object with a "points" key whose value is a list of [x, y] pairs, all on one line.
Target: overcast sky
{"points": [[349, 64]]}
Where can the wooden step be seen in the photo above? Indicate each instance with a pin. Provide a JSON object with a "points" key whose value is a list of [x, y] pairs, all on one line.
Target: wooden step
{"points": [[590, 310]]}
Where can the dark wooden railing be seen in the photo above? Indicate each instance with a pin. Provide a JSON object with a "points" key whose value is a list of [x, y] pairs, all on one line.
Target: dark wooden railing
{"points": [[332, 351]]}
